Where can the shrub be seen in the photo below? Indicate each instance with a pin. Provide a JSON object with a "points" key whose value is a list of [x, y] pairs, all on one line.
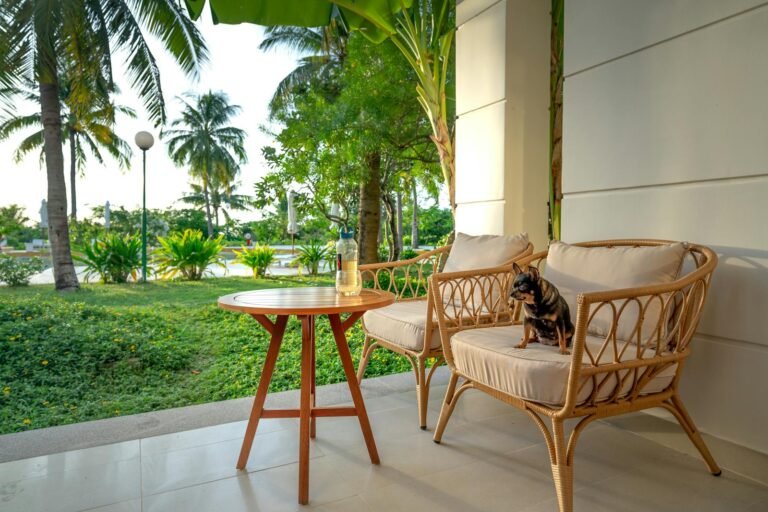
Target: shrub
{"points": [[258, 258], [383, 252], [17, 271], [330, 255], [407, 254], [188, 253], [112, 257], [311, 255]]}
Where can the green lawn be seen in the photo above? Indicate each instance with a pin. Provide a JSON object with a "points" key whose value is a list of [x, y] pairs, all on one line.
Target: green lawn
{"points": [[111, 350]]}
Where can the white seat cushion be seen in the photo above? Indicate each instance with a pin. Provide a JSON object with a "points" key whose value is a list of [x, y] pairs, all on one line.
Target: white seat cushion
{"points": [[538, 373], [403, 324]]}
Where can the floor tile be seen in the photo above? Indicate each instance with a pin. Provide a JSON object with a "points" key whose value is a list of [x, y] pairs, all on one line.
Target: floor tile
{"points": [[492, 458], [192, 466], [210, 435], [272, 490], [402, 459], [79, 489], [738, 459], [353, 504], [124, 506], [67, 461], [679, 484], [386, 424]]}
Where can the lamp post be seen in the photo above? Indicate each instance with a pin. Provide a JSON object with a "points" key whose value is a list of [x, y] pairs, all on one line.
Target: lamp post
{"points": [[144, 140]]}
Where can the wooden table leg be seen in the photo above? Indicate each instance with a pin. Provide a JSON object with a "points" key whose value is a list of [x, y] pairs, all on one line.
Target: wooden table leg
{"points": [[277, 329], [354, 387], [313, 391], [305, 407]]}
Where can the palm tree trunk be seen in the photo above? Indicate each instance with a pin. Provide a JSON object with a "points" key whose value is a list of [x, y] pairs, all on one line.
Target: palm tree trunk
{"points": [[73, 173], [391, 209], [370, 210], [207, 207], [415, 219], [399, 219], [58, 229], [216, 213]]}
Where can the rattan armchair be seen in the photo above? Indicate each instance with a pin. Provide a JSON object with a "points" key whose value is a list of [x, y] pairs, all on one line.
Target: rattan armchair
{"points": [[420, 340], [604, 376]]}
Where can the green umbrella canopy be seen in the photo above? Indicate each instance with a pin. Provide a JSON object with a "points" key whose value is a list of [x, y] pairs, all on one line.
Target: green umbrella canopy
{"points": [[374, 18]]}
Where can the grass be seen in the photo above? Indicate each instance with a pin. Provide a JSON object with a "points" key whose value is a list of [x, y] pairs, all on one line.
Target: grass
{"points": [[111, 350]]}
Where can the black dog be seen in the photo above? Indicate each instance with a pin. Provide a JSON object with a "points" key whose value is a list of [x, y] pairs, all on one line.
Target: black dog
{"points": [[546, 312]]}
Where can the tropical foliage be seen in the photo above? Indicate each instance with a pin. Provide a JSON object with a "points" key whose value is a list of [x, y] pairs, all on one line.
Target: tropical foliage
{"points": [[350, 153], [311, 255], [203, 140], [112, 257], [44, 41], [17, 271], [14, 229], [323, 51], [87, 126], [258, 258], [188, 254], [222, 199]]}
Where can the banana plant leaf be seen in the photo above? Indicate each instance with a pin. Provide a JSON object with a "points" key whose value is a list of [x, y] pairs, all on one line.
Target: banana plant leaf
{"points": [[374, 18]]}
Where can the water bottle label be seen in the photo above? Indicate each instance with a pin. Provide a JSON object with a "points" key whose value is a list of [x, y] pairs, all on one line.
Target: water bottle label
{"points": [[338, 261]]}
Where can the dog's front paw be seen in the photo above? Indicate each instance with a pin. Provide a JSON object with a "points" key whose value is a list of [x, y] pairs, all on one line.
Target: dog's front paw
{"points": [[565, 352], [520, 345]]}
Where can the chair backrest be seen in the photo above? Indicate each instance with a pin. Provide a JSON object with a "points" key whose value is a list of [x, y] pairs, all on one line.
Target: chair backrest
{"points": [[409, 279]]}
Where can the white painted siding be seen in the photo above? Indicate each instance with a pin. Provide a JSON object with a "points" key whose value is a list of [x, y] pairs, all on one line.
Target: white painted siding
{"points": [[665, 136]]}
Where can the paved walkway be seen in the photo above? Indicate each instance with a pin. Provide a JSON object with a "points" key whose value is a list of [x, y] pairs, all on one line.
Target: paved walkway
{"points": [[232, 269]]}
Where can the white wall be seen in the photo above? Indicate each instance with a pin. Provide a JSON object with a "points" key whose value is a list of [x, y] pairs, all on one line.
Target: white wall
{"points": [[665, 135], [502, 52]]}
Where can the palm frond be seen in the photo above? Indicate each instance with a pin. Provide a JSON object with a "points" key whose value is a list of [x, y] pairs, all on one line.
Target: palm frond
{"points": [[298, 39]]}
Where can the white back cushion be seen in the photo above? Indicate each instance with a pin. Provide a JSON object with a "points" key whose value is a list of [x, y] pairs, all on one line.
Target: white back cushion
{"points": [[577, 270], [479, 252], [484, 251]]}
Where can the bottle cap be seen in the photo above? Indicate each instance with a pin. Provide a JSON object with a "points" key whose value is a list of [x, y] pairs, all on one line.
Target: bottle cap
{"points": [[346, 233]]}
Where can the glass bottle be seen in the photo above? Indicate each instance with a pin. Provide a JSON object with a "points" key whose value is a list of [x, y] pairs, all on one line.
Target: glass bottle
{"points": [[348, 281]]}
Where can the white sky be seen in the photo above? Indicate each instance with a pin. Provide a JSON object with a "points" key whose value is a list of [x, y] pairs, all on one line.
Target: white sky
{"points": [[236, 66]]}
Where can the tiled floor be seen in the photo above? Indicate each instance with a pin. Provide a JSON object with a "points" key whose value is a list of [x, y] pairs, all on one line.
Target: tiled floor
{"points": [[492, 458]]}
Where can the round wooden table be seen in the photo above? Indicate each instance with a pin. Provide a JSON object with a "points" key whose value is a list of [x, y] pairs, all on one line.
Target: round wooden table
{"points": [[306, 304]]}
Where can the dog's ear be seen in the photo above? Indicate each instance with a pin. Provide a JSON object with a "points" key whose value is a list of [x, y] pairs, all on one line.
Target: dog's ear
{"points": [[517, 268], [534, 272]]}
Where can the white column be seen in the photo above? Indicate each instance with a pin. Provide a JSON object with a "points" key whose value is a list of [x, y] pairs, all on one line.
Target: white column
{"points": [[502, 131]]}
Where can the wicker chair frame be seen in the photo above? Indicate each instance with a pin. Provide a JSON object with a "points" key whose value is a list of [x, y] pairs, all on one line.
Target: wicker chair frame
{"points": [[409, 280], [681, 303]]}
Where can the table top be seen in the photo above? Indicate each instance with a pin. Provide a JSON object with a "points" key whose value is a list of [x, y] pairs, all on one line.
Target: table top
{"points": [[304, 301]]}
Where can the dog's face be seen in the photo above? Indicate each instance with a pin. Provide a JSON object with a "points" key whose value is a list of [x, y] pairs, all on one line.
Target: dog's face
{"points": [[526, 284]]}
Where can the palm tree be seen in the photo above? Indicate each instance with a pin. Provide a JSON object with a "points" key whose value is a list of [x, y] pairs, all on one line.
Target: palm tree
{"points": [[203, 140], [324, 50], [40, 37], [89, 132], [220, 197]]}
